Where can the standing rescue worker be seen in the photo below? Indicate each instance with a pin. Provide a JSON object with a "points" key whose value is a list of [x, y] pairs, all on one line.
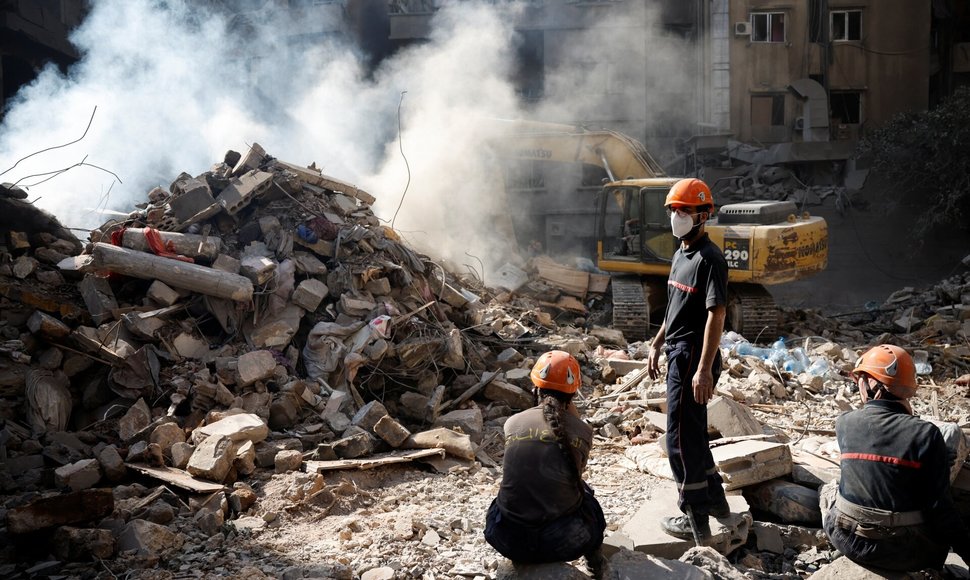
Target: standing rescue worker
{"points": [[690, 335], [893, 508], [544, 511]]}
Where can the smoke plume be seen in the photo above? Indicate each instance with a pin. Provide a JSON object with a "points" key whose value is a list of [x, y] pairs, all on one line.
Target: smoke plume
{"points": [[176, 86]]}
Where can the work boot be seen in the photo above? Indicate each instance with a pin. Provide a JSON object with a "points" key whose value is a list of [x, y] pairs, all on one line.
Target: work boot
{"points": [[721, 509], [679, 527]]}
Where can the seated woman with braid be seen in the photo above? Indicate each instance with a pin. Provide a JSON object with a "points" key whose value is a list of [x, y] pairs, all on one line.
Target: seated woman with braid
{"points": [[544, 511]]}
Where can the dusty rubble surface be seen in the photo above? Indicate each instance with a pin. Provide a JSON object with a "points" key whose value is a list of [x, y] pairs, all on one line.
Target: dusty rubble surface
{"points": [[279, 386]]}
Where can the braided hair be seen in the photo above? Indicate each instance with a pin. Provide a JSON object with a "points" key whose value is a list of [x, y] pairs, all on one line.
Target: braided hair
{"points": [[554, 404]]}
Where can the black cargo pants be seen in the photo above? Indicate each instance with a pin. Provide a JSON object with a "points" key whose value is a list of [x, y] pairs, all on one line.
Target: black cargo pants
{"points": [[698, 482]]}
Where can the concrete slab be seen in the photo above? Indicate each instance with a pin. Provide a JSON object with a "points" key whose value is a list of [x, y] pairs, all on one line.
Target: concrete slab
{"points": [[644, 534], [729, 418], [749, 462], [625, 366]]}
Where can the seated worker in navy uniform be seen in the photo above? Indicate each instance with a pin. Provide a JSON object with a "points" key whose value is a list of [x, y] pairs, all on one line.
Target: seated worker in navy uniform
{"points": [[544, 511]]}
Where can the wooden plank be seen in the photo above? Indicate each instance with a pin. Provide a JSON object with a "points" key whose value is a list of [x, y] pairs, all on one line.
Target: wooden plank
{"points": [[374, 461], [569, 280], [178, 478], [173, 272]]}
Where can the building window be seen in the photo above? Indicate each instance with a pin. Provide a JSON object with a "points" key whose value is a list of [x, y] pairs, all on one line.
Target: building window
{"points": [[846, 107], [767, 110], [846, 25], [768, 27]]}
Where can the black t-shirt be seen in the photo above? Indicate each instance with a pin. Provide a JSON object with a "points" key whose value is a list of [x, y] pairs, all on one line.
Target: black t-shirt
{"points": [[537, 484], [697, 282]]}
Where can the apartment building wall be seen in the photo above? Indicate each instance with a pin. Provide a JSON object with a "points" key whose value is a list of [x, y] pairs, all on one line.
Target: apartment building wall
{"points": [[875, 70], [33, 33]]}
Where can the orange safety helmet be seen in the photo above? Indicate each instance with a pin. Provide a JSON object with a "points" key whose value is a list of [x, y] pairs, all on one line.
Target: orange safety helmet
{"points": [[556, 370], [691, 192], [891, 366]]}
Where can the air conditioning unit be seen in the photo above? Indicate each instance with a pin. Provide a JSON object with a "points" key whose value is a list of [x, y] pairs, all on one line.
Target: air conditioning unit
{"points": [[742, 28], [799, 123]]}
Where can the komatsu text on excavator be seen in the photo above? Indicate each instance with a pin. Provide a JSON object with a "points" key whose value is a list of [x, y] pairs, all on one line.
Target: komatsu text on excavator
{"points": [[764, 242]]}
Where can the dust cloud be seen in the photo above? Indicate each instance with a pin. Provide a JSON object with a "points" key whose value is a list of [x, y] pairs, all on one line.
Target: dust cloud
{"points": [[176, 85]]}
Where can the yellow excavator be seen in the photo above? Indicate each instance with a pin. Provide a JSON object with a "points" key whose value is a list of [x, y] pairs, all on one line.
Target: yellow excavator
{"points": [[764, 242]]}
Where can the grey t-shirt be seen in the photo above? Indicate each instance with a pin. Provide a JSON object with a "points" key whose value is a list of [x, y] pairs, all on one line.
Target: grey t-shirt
{"points": [[537, 484]]}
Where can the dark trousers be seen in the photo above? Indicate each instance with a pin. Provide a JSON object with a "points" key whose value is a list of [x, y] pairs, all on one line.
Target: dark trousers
{"points": [[566, 538], [698, 481], [905, 549]]}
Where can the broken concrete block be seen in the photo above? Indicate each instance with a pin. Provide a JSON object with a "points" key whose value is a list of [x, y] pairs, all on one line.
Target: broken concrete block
{"points": [[162, 294], [845, 569], [309, 294], [812, 471], [47, 326], [308, 264], [285, 410], [368, 415], [112, 464], [71, 543], [630, 564], [788, 502], [196, 202], [244, 457], [98, 297], [134, 420], [749, 462], [378, 286], [768, 537], [238, 427], [19, 240], [24, 266], [277, 330], [731, 419], [266, 450], [355, 307], [467, 421], [227, 264], [211, 459], [520, 378], [242, 190], [259, 269], [69, 508], [338, 422], [355, 443], [181, 452], [83, 474], [390, 430], [453, 443], [190, 347], [253, 158], [644, 534], [166, 435], [507, 393], [241, 498], [148, 539], [257, 365], [288, 460], [412, 404]]}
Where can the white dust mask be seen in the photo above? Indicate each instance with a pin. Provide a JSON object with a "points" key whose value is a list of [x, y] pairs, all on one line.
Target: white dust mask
{"points": [[681, 224]]}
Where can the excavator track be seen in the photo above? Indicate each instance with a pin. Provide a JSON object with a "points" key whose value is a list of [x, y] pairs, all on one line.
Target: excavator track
{"points": [[631, 314], [752, 313]]}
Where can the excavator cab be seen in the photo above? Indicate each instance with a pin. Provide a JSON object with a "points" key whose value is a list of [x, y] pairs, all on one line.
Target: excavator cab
{"points": [[633, 227]]}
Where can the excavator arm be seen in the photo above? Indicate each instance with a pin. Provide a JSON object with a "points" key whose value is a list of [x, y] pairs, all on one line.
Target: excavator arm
{"points": [[619, 155]]}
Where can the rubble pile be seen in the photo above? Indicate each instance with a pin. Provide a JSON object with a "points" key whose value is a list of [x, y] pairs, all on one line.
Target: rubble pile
{"points": [[256, 316], [197, 373], [774, 182]]}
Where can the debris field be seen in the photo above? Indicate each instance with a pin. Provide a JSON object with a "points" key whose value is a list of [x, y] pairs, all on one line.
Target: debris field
{"points": [[250, 376]]}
